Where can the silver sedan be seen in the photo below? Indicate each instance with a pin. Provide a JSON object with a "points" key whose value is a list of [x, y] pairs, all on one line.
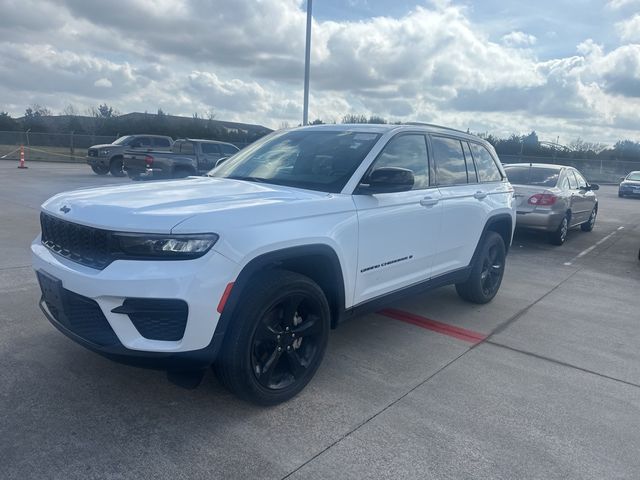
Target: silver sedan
{"points": [[552, 198]]}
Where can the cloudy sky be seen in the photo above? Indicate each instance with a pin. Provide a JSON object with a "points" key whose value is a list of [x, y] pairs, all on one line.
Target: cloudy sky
{"points": [[568, 68]]}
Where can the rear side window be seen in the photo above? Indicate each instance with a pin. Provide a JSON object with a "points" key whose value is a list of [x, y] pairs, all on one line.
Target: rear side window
{"points": [[210, 148], [406, 151], [451, 168], [582, 183], [228, 149], [141, 142], [183, 147], [541, 176], [162, 142], [573, 183], [472, 174], [487, 169]]}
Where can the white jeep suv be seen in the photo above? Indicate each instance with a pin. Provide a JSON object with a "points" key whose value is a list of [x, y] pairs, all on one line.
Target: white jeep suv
{"points": [[248, 269]]}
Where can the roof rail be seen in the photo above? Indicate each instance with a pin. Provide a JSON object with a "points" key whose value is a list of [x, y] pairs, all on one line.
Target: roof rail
{"points": [[436, 126]]}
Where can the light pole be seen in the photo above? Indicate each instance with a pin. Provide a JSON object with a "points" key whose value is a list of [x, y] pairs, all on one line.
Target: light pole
{"points": [[307, 58]]}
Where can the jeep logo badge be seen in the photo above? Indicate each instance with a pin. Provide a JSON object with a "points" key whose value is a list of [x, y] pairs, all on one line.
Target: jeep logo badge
{"points": [[65, 209]]}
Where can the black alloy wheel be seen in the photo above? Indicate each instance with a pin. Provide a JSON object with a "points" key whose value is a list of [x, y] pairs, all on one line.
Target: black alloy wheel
{"points": [[287, 341], [487, 271], [276, 339], [492, 269]]}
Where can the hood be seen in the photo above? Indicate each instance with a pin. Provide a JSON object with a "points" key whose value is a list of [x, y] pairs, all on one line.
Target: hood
{"points": [[156, 207], [631, 182], [106, 145]]}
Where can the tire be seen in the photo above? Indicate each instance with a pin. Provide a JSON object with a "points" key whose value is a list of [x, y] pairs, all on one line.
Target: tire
{"points": [[486, 274], [621, 195], [99, 169], [262, 360], [559, 236], [588, 225], [115, 167]]}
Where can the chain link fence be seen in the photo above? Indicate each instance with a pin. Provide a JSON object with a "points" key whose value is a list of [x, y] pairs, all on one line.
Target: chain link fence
{"points": [[54, 147], [60, 147], [69, 147]]}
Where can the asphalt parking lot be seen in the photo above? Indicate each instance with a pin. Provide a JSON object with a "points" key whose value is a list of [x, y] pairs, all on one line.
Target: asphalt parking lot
{"points": [[544, 382]]}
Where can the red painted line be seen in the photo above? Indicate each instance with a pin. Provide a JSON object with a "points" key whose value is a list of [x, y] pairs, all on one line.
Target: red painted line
{"points": [[455, 332]]}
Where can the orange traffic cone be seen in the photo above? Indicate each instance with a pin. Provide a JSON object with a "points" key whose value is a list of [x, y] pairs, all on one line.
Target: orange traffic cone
{"points": [[22, 165]]}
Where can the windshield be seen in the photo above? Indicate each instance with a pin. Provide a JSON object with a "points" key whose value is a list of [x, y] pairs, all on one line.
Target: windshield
{"points": [[633, 176], [321, 160], [123, 140], [527, 175]]}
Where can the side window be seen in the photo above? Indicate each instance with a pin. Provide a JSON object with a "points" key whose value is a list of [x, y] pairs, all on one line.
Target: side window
{"points": [[564, 183], [210, 148], [472, 174], [406, 151], [161, 142], [228, 149], [450, 165], [582, 183], [144, 141], [573, 183], [187, 148], [487, 169]]}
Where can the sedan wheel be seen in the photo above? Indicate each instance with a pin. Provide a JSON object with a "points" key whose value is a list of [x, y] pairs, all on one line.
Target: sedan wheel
{"points": [[588, 225], [560, 235]]}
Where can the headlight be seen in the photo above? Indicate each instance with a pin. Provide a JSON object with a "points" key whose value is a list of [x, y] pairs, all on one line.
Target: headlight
{"points": [[103, 152], [167, 247]]}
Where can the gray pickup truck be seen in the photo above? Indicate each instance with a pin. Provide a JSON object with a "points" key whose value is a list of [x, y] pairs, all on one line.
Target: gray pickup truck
{"points": [[108, 158], [187, 157]]}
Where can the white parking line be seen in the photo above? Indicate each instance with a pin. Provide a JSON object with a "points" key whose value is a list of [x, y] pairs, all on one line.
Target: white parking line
{"points": [[587, 250]]}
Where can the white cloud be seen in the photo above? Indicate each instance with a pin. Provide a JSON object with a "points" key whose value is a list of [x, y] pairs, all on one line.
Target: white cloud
{"points": [[617, 4], [103, 82], [518, 39], [629, 30], [244, 60]]}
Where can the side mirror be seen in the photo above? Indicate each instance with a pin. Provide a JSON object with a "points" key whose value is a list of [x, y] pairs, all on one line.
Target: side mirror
{"points": [[593, 186], [221, 161], [387, 180]]}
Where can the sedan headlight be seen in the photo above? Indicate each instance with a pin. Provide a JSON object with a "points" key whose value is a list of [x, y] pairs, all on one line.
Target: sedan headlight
{"points": [[176, 247], [103, 152]]}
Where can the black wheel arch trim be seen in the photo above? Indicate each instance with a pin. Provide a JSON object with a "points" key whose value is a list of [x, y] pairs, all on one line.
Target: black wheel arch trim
{"points": [[493, 220], [274, 259]]}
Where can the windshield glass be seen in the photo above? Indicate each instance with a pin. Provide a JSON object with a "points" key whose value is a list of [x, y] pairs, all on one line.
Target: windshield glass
{"points": [[123, 140], [634, 176], [321, 160], [526, 175]]}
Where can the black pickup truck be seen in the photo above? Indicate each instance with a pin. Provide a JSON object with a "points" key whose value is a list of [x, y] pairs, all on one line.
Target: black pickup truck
{"points": [[187, 157]]}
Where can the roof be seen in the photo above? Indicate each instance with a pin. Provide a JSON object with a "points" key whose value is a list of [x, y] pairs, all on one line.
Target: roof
{"points": [[536, 165], [203, 140], [384, 128]]}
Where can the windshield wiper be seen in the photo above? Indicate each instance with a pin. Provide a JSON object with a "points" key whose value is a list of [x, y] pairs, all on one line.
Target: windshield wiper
{"points": [[249, 179]]}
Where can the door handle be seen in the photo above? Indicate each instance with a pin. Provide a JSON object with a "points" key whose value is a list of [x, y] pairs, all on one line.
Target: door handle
{"points": [[429, 201], [479, 195]]}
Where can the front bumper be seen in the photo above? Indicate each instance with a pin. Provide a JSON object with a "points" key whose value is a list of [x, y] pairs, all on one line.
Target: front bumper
{"points": [[629, 190], [545, 220], [199, 282]]}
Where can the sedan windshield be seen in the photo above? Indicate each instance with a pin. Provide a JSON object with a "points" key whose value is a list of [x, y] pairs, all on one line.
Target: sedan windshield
{"points": [[122, 140], [635, 176], [321, 160], [528, 175]]}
